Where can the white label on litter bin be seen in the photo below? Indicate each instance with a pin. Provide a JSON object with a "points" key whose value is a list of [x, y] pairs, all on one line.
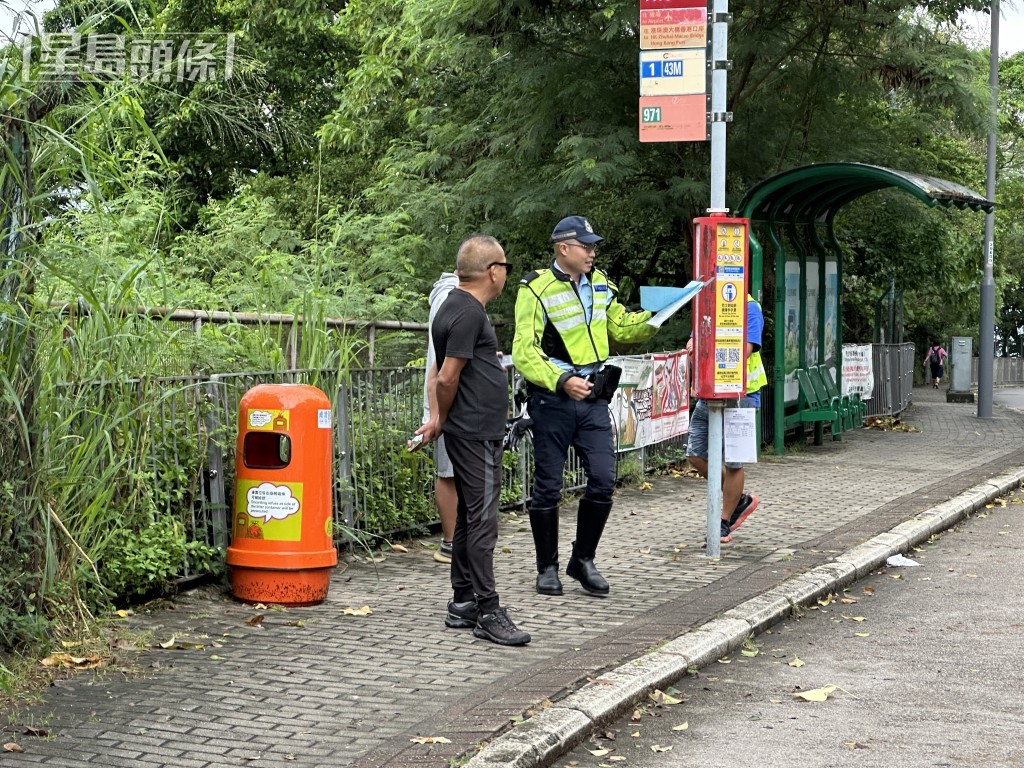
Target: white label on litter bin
{"points": [[323, 418], [271, 502]]}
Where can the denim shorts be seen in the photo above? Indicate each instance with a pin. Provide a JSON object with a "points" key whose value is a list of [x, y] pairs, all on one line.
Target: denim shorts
{"points": [[697, 438]]}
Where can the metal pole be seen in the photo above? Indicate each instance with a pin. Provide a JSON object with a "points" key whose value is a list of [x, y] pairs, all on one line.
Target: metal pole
{"points": [[716, 419], [719, 59], [719, 116], [987, 333]]}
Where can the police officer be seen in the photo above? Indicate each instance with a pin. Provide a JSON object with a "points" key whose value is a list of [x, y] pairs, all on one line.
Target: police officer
{"points": [[565, 316]]}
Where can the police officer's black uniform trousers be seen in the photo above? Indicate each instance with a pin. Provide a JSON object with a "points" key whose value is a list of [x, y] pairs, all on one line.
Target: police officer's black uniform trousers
{"points": [[558, 422]]}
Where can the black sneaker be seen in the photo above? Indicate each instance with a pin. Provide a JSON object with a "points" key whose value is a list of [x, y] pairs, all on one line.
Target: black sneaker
{"points": [[498, 628], [461, 615], [747, 504]]}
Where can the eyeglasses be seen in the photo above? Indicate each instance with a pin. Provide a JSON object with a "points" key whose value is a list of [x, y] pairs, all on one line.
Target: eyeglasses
{"points": [[588, 247], [506, 264]]}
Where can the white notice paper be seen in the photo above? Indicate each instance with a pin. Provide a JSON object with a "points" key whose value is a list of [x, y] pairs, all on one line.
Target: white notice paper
{"points": [[740, 435]]}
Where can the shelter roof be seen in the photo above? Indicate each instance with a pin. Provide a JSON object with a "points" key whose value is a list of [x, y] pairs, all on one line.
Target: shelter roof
{"points": [[817, 192]]}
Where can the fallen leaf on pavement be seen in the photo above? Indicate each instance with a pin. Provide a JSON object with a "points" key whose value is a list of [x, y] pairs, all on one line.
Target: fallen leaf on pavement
{"points": [[10, 746], [820, 694], [398, 548], [682, 727], [364, 611], [854, 618], [796, 663], [659, 748], [817, 694], [255, 621], [598, 752], [663, 699], [68, 661], [430, 740], [174, 644]]}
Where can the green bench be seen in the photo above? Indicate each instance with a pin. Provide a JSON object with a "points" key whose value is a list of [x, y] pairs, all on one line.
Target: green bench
{"points": [[856, 407], [815, 407], [835, 402]]}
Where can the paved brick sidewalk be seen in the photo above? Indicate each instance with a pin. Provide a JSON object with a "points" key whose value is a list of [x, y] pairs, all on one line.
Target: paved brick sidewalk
{"points": [[314, 687]]}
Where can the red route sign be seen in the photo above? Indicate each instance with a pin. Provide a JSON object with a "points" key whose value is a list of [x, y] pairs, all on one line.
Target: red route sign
{"points": [[658, 5], [673, 118], [673, 28]]}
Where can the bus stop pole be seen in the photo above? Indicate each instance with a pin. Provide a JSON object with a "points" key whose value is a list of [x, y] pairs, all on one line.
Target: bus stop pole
{"points": [[986, 331], [718, 119]]}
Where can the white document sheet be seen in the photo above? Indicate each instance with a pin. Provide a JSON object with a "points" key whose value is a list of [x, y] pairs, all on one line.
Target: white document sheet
{"points": [[740, 435]]}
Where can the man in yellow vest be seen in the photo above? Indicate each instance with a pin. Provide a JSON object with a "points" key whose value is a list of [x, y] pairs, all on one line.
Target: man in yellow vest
{"points": [[565, 316], [736, 505]]}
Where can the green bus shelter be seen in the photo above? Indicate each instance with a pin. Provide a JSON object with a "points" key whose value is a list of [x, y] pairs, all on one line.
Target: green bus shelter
{"points": [[796, 210]]}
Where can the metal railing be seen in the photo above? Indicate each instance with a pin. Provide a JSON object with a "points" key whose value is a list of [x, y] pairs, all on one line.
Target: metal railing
{"points": [[1006, 371], [893, 375]]}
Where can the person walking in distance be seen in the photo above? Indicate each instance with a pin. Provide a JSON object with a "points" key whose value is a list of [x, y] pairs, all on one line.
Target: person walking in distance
{"points": [[737, 506], [471, 392], [566, 315], [444, 483], [935, 357]]}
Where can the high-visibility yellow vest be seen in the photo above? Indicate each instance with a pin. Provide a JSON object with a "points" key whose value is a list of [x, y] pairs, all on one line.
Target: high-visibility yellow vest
{"points": [[756, 376], [551, 323]]}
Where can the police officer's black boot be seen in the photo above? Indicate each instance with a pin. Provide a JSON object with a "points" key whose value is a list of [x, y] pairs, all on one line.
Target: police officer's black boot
{"points": [[589, 526], [544, 523]]}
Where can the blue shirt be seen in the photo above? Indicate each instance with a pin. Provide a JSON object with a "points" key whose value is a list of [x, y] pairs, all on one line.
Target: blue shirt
{"points": [[586, 294], [755, 328]]}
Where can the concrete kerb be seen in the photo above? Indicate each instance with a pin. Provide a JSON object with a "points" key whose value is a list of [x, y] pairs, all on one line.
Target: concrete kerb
{"points": [[554, 731]]}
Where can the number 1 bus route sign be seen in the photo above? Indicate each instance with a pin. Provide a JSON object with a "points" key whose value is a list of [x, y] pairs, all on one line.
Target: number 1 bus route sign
{"points": [[673, 73]]}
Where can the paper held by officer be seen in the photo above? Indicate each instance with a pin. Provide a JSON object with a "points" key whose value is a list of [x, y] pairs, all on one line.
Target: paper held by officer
{"points": [[665, 302]]}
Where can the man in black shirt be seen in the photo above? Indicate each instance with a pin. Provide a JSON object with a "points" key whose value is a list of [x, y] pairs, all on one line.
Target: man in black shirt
{"points": [[472, 406]]}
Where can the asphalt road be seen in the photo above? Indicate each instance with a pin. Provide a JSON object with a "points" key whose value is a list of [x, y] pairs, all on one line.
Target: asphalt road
{"points": [[1011, 397], [926, 662]]}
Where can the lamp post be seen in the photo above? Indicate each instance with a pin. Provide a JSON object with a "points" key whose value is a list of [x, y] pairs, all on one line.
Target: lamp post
{"points": [[986, 333]]}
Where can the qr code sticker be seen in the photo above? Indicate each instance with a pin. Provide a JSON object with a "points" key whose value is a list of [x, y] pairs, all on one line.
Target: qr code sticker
{"points": [[727, 355]]}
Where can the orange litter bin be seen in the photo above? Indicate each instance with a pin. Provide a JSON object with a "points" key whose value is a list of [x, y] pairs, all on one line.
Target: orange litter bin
{"points": [[282, 545]]}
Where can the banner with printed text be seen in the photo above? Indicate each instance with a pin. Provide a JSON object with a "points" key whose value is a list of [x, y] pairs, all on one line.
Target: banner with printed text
{"points": [[858, 370], [652, 402]]}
